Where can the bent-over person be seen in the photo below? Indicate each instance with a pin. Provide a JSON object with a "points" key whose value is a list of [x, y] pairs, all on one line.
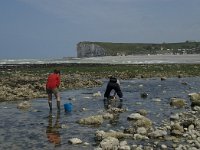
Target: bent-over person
{"points": [[52, 88]]}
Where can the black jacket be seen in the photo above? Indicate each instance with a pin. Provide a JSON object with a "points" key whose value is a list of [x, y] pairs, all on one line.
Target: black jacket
{"points": [[113, 85]]}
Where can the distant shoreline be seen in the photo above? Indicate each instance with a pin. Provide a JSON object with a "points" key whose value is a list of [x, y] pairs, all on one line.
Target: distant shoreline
{"points": [[129, 59]]}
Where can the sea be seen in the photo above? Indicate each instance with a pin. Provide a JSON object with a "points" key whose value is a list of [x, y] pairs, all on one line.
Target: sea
{"points": [[131, 59]]}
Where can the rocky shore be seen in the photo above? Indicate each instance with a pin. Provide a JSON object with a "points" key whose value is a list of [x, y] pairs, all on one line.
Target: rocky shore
{"points": [[23, 82], [24, 86], [179, 132]]}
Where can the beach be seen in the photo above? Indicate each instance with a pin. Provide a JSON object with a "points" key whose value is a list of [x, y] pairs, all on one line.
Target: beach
{"points": [[153, 121]]}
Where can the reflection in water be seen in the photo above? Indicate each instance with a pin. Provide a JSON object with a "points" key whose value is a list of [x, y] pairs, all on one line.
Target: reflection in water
{"points": [[52, 131], [113, 103]]}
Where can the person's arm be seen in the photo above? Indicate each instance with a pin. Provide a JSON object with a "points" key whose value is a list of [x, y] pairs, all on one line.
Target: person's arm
{"points": [[107, 92], [118, 91], [117, 87], [58, 81]]}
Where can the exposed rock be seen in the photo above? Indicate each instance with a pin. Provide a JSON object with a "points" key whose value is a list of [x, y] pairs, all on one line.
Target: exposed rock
{"points": [[177, 102], [140, 137], [195, 99], [177, 129], [75, 141], [123, 145], [144, 95], [158, 133], [163, 146], [177, 126], [135, 116], [144, 122], [100, 134], [156, 99], [115, 110], [163, 78], [174, 117], [109, 143], [92, 120], [187, 122], [108, 116], [139, 121], [141, 130], [98, 94], [196, 108], [142, 112], [176, 133]]}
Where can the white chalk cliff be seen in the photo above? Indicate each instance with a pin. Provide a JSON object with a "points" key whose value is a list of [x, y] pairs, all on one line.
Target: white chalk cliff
{"points": [[85, 49]]}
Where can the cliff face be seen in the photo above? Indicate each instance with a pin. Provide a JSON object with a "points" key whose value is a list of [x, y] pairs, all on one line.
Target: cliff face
{"points": [[89, 50], [95, 49]]}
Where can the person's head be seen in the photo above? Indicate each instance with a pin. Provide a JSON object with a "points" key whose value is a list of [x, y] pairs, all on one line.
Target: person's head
{"points": [[56, 71], [113, 79]]}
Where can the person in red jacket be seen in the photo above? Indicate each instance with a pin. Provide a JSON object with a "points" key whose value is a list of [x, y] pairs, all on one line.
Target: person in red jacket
{"points": [[52, 85]]}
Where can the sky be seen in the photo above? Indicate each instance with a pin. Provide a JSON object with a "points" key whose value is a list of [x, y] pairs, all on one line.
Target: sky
{"points": [[40, 29]]}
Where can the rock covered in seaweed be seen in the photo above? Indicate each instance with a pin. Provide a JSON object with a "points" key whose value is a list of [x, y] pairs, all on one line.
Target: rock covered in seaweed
{"points": [[195, 99]]}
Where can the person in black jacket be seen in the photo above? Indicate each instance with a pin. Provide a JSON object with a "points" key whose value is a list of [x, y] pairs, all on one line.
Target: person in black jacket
{"points": [[113, 85], [113, 88]]}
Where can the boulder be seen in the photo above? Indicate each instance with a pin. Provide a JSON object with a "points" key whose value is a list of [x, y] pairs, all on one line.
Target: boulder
{"points": [[92, 120], [123, 145], [144, 95], [100, 134], [75, 141], [158, 133], [195, 99], [139, 120], [144, 122], [177, 102], [177, 129], [109, 143], [135, 116], [143, 112]]}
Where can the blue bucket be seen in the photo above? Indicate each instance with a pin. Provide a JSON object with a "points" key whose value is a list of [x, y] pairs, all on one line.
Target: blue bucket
{"points": [[68, 107]]}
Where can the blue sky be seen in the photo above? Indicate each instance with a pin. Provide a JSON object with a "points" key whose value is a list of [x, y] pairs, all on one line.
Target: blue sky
{"points": [[52, 28]]}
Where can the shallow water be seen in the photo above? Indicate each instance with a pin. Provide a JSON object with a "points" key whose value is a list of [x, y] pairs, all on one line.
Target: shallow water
{"points": [[34, 129]]}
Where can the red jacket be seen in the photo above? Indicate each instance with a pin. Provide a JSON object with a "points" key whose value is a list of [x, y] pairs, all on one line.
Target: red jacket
{"points": [[53, 81]]}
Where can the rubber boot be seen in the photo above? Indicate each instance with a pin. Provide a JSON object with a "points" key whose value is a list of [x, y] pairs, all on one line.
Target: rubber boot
{"points": [[58, 105], [50, 106], [105, 103]]}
